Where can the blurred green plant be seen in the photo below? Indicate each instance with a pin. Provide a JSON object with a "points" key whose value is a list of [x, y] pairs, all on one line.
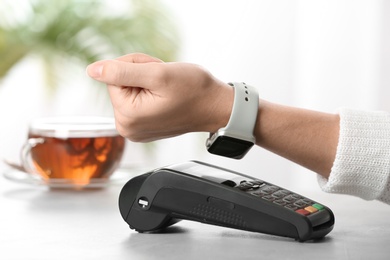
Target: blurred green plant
{"points": [[63, 33]]}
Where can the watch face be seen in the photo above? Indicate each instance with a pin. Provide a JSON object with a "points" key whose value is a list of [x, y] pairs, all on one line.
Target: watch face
{"points": [[230, 147]]}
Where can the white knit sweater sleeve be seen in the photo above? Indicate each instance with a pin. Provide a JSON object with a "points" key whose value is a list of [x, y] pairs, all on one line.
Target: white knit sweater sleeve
{"points": [[362, 164]]}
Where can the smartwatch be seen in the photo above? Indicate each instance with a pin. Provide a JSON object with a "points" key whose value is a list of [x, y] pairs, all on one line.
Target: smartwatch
{"points": [[236, 138]]}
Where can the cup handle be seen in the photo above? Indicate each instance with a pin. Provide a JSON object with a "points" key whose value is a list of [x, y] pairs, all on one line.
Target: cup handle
{"points": [[25, 155]]}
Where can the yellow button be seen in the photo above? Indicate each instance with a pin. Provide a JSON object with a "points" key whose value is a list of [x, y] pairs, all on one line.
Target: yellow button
{"points": [[311, 209]]}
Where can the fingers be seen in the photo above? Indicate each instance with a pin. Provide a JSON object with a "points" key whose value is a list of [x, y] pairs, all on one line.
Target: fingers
{"points": [[120, 73], [138, 58], [95, 69]]}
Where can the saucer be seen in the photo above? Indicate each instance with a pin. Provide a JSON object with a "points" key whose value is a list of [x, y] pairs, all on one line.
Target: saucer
{"points": [[120, 176]]}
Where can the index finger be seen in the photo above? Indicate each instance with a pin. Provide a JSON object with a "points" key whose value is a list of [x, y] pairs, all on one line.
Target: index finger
{"points": [[138, 58], [120, 73]]}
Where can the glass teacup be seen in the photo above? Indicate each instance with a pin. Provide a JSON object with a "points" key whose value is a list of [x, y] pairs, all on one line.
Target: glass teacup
{"points": [[74, 149]]}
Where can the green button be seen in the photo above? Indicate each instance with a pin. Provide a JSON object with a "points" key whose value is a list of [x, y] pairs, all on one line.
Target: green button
{"points": [[318, 206]]}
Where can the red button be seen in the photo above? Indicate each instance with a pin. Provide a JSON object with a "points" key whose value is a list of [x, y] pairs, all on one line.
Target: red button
{"points": [[303, 212]]}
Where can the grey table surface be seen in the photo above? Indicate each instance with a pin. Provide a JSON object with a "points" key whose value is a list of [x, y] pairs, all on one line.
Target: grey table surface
{"points": [[41, 223]]}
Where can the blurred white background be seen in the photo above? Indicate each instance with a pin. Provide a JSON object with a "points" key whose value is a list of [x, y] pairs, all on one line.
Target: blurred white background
{"points": [[319, 55]]}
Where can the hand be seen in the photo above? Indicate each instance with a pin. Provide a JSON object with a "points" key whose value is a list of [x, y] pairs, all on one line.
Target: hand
{"points": [[154, 100]]}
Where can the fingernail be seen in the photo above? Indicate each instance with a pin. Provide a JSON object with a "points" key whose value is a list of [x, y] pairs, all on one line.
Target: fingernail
{"points": [[95, 70]]}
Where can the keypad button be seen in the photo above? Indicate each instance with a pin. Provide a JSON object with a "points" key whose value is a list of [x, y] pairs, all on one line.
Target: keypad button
{"points": [[303, 212], [307, 201], [311, 209], [280, 202], [269, 189], [263, 192], [318, 206], [301, 203], [291, 207], [289, 198], [269, 198], [280, 194], [277, 196], [296, 196]]}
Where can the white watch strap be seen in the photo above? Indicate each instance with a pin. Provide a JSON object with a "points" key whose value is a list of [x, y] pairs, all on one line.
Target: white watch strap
{"points": [[244, 113]]}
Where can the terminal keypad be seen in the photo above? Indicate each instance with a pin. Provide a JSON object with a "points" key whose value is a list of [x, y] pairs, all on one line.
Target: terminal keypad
{"points": [[280, 196]]}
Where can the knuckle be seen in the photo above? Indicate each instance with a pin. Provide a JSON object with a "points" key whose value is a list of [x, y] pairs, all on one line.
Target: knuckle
{"points": [[159, 74]]}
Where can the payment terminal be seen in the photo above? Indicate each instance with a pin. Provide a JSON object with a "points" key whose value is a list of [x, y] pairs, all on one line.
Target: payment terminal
{"points": [[205, 193]]}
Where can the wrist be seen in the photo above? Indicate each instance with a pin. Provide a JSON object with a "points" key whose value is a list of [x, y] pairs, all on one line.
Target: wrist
{"points": [[306, 137], [236, 138], [220, 107]]}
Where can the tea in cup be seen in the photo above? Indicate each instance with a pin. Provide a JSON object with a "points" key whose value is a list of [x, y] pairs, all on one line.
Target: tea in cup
{"points": [[73, 149]]}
